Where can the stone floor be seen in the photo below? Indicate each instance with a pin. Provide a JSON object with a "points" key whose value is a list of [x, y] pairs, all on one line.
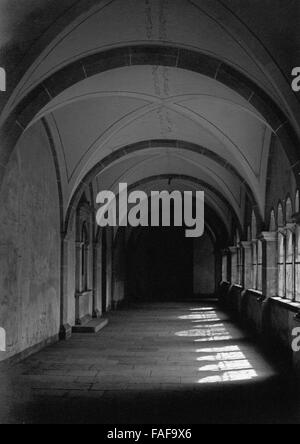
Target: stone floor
{"points": [[153, 364]]}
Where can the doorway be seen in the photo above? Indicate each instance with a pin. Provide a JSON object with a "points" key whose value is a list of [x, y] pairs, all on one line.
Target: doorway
{"points": [[161, 265]]}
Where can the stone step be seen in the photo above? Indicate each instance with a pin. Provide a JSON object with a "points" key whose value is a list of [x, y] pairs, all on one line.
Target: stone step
{"points": [[91, 326]]}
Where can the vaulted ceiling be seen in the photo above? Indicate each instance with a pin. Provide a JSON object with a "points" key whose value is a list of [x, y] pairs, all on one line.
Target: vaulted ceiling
{"points": [[131, 117]]}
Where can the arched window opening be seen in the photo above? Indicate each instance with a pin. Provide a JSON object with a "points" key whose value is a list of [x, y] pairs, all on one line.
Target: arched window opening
{"points": [[249, 234], [297, 264], [289, 269], [297, 202], [254, 264], [84, 263], [272, 221], [239, 257], [281, 265], [254, 226], [288, 210], [259, 265], [280, 218], [225, 268], [289, 266], [84, 257]]}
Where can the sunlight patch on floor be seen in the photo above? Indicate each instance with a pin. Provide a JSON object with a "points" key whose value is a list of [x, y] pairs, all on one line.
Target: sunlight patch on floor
{"points": [[242, 375], [205, 331], [230, 356], [203, 309], [204, 317], [226, 349], [229, 363]]}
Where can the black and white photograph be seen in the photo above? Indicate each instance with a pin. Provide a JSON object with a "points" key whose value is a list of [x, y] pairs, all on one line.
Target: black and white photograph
{"points": [[149, 215]]}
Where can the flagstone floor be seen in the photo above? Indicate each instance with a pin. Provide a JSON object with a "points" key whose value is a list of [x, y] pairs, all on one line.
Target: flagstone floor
{"points": [[153, 364]]}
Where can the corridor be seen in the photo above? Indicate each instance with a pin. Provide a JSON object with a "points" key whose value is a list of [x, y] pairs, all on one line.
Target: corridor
{"points": [[153, 364]]}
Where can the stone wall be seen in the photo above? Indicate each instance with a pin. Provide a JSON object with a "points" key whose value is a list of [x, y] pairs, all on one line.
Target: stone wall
{"points": [[272, 320], [29, 245], [281, 180], [204, 266]]}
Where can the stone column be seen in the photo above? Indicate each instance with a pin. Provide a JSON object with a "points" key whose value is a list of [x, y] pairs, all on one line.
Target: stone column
{"points": [[224, 266], [66, 268], [109, 269], [234, 263], [96, 280], [79, 283], [218, 269], [254, 264], [296, 345], [247, 265], [269, 259]]}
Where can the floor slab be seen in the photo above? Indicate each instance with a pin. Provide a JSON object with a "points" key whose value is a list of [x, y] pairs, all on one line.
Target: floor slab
{"points": [[153, 364]]}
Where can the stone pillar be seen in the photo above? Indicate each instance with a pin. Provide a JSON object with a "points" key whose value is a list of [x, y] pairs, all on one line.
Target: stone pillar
{"points": [[234, 264], [97, 280], [89, 258], [269, 259], [218, 269], [254, 264], [296, 345], [109, 269], [79, 283], [224, 266], [66, 268], [247, 280]]}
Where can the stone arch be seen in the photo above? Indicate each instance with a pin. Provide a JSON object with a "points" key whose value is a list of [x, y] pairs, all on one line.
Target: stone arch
{"points": [[152, 144], [170, 56]]}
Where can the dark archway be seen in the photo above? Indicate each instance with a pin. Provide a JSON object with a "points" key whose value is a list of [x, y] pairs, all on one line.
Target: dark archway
{"points": [[160, 267]]}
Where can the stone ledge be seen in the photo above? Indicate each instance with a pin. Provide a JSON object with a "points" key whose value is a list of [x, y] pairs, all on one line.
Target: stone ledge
{"points": [[257, 294], [90, 326], [84, 293], [18, 357], [289, 305]]}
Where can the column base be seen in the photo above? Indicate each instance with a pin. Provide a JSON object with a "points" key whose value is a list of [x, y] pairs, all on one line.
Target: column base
{"points": [[96, 314], [65, 332]]}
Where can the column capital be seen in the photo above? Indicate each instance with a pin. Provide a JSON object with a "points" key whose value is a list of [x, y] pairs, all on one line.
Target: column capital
{"points": [[233, 250], [291, 226], [288, 227], [268, 236]]}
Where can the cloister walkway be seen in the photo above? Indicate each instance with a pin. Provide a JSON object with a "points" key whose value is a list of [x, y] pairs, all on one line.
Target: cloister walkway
{"points": [[154, 363]]}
